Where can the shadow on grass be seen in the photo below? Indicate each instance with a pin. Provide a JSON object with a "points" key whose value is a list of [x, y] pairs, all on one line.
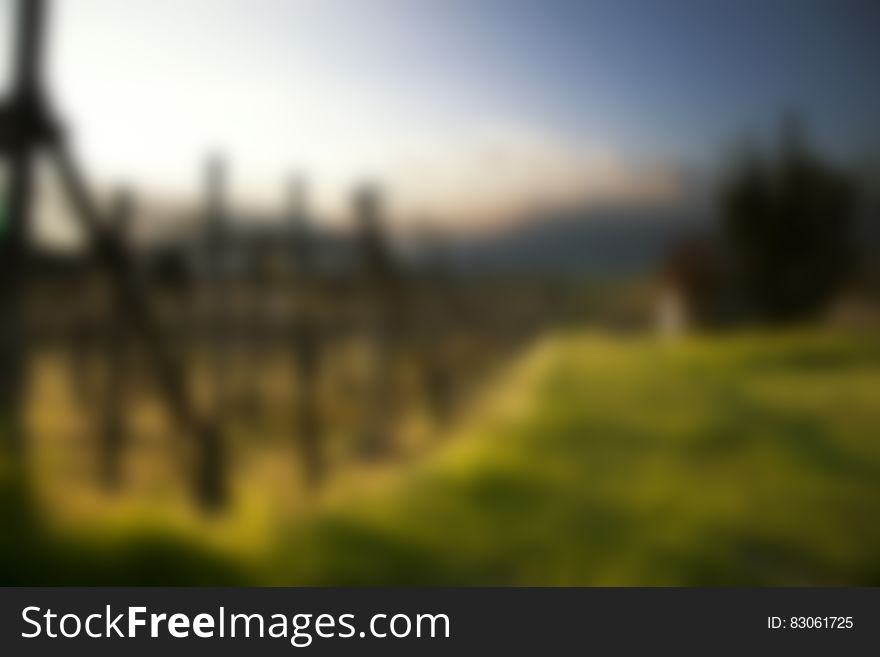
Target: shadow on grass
{"points": [[30, 555]]}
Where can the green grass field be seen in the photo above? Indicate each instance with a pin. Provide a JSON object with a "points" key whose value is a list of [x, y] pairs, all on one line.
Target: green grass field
{"points": [[749, 459]]}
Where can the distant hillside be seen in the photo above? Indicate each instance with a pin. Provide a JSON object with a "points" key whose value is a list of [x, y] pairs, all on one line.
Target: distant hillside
{"points": [[613, 241], [608, 241]]}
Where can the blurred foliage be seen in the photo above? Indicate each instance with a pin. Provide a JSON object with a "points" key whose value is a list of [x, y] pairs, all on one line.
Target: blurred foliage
{"points": [[791, 224], [747, 459]]}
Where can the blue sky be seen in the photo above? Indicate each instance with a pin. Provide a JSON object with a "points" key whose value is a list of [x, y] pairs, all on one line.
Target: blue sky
{"points": [[664, 75], [460, 106]]}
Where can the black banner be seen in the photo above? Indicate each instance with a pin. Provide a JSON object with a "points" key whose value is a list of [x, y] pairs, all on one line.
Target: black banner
{"points": [[205, 621]]}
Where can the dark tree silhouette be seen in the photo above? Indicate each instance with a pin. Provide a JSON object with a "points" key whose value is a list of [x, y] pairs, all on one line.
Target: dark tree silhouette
{"points": [[28, 128], [790, 224], [306, 343], [217, 239], [113, 437], [384, 295]]}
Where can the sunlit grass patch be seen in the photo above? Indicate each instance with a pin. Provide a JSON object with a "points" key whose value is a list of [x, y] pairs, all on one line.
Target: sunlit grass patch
{"points": [[739, 459]]}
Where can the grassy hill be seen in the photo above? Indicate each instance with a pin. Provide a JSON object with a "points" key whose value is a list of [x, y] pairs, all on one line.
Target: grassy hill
{"points": [[732, 460]]}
